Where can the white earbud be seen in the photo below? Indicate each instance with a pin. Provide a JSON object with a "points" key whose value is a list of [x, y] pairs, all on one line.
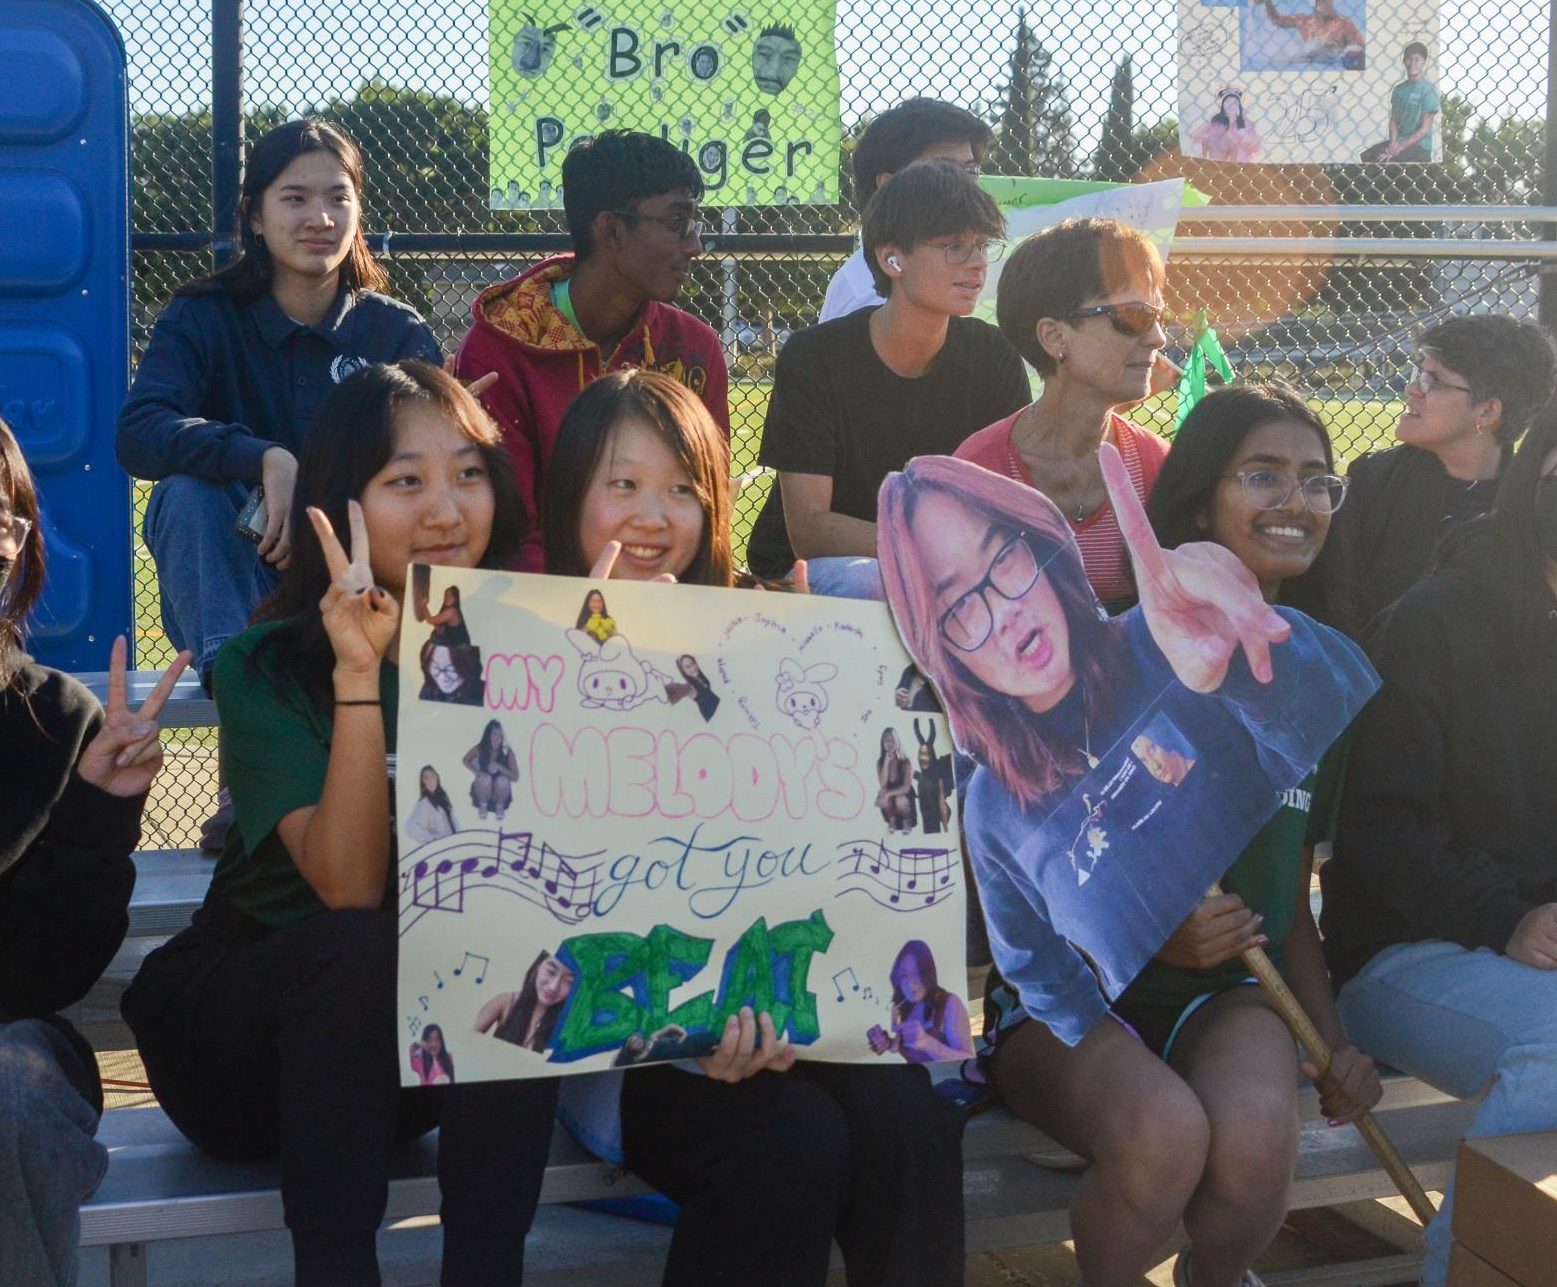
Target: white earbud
{"points": [[894, 263]]}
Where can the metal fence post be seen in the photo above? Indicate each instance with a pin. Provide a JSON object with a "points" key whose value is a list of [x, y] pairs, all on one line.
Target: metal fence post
{"points": [[226, 125], [1546, 302]]}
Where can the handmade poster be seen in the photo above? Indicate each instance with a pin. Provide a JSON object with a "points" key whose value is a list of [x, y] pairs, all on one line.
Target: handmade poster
{"points": [[749, 92], [1321, 81], [656, 805], [1122, 764]]}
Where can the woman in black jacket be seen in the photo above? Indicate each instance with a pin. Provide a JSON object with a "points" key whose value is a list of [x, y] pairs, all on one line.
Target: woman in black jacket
{"points": [[75, 785], [1440, 909]]}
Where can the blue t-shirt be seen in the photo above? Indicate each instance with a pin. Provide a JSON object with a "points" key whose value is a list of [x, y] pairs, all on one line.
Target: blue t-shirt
{"points": [[1183, 781]]}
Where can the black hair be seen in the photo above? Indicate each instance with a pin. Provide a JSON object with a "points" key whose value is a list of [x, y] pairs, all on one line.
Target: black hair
{"points": [[350, 439], [444, 1058], [25, 583], [1221, 117], [484, 760], [248, 277], [779, 29], [897, 138], [1415, 47], [1499, 357], [935, 996], [1207, 440], [615, 169], [584, 613], [936, 199], [518, 1022], [681, 422], [1505, 548]]}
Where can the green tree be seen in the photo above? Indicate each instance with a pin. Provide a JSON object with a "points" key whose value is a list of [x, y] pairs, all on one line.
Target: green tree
{"points": [[1033, 122], [1114, 145]]}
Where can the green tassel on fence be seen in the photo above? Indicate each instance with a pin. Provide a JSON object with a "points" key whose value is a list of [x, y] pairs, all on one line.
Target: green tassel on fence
{"points": [[1207, 348]]}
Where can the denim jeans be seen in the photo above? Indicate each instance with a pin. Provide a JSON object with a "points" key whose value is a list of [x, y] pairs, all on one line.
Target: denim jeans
{"points": [[212, 579], [845, 577], [49, 1160], [1462, 1021]]}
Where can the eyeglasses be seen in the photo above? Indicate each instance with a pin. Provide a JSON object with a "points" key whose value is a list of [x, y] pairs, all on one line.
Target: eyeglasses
{"points": [[449, 671], [1014, 570], [1132, 319], [1424, 381], [678, 226], [959, 253], [1266, 489], [14, 526]]}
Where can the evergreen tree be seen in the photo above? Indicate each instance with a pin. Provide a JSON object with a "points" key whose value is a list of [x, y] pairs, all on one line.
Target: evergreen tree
{"points": [[1033, 126], [1118, 126]]}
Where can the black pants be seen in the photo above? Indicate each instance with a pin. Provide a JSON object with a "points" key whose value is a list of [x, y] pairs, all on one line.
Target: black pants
{"points": [[770, 1170], [287, 1047]]}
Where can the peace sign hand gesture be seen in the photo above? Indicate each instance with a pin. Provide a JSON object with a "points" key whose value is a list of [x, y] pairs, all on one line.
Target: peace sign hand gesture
{"points": [[1201, 603], [126, 755], [359, 617]]}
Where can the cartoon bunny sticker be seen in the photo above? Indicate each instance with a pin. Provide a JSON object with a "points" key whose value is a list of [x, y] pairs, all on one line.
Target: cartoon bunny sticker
{"points": [[800, 692]]}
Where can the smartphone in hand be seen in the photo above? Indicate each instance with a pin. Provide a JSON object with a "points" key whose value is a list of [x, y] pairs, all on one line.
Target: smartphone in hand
{"points": [[253, 517]]}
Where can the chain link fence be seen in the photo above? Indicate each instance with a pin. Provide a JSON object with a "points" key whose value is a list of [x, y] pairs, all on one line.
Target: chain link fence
{"points": [[1083, 89]]}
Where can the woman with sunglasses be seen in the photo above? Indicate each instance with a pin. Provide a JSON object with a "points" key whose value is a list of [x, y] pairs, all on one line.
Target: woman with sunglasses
{"points": [[1048, 696], [1440, 904], [1082, 303], [1475, 384]]}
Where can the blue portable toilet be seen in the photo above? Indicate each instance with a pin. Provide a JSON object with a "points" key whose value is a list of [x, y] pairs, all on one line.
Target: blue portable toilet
{"points": [[65, 309]]}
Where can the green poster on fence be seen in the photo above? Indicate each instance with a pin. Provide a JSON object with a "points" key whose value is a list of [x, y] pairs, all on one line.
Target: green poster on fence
{"points": [[748, 90]]}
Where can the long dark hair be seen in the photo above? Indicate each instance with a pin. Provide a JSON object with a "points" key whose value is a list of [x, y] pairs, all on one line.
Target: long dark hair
{"points": [[1209, 438], [1221, 117], [444, 1058], [249, 276], [26, 580], [438, 796], [934, 994], [350, 439], [484, 754], [519, 1017], [998, 731], [1504, 549], [682, 424], [584, 613]]}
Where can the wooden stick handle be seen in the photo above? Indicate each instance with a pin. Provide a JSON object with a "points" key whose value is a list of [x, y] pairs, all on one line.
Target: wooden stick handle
{"points": [[1308, 1036]]}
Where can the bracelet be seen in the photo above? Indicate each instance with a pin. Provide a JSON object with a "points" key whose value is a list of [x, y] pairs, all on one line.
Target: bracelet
{"points": [[359, 701]]}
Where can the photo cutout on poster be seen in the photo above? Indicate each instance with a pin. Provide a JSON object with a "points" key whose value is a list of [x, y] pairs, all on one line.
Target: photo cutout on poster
{"points": [[1123, 763], [1309, 81], [663, 810]]}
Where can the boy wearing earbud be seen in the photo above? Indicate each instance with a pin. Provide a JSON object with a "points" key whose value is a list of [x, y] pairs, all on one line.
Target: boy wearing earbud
{"points": [[858, 397]]}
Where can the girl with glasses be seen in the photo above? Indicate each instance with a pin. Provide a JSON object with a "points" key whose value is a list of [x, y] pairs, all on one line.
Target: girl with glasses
{"points": [[1082, 303], [1103, 745], [1440, 904], [1475, 384]]}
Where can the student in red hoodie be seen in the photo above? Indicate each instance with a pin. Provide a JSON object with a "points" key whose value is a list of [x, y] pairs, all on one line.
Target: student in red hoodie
{"points": [[631, 202]]}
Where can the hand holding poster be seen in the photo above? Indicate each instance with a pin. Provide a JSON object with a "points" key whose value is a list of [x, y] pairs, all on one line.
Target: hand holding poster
{"points": [[621, 824], [1124, 763]]}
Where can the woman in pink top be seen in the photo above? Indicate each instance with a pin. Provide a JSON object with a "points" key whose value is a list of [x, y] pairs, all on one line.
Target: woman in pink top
{"points": [[1082, 303]]}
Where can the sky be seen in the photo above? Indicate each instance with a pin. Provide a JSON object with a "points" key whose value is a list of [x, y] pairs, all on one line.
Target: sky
{"points": [[301, 53]]}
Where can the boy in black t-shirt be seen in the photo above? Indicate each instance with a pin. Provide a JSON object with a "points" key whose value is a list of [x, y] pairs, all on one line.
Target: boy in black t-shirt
{"points": [[856, 398]]}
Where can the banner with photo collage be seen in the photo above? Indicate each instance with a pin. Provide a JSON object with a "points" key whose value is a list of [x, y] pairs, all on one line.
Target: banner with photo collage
{"points": [[1320, 81], [749, 92], [627, 810]]}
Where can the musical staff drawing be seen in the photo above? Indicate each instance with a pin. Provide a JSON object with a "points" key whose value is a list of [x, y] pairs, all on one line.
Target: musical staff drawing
{"points": [[902, 880], [437, 876]]}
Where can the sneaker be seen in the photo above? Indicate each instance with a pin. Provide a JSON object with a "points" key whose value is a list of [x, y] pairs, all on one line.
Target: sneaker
{"points": [[213, 831], [1181, 1275]]}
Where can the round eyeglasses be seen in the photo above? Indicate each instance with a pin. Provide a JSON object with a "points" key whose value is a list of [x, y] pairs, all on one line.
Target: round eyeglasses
{"points": [[959, 253], [1266, 489], [1424, 381]]}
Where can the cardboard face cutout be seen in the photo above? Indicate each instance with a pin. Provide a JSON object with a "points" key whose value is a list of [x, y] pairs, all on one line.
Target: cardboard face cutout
{"points": [[1122, 764]]}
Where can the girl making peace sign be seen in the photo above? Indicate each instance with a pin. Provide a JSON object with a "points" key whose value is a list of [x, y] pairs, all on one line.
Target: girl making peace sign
{"points": [[268, 1027]]}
